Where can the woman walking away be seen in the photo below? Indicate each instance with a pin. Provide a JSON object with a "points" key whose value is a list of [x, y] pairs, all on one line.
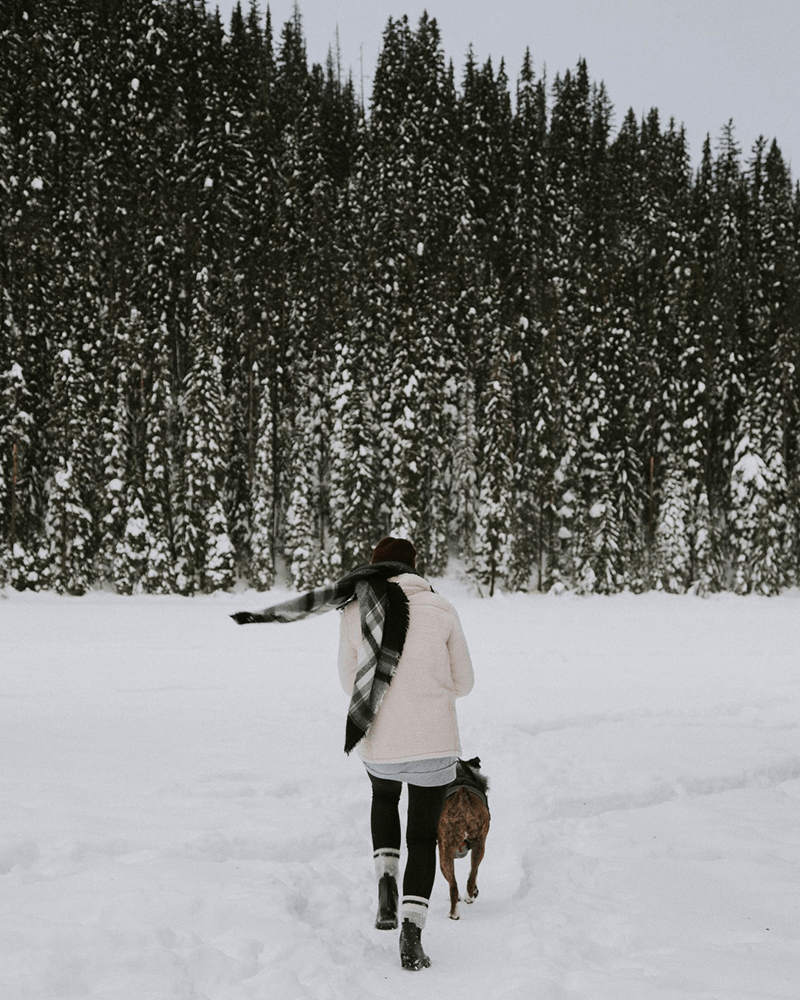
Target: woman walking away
{"points": [[403, 660], [413, 739]]}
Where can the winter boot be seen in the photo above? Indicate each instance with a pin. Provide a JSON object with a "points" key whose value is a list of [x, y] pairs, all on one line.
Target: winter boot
{"points": [[387, 870], [386, 919], [411, 954]]}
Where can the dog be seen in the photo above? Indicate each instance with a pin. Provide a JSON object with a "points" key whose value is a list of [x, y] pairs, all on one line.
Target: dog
{"points": [[463, 827]]}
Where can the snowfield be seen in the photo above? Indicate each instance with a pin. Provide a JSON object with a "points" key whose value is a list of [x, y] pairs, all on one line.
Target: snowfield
{"points": [[179, 820]]}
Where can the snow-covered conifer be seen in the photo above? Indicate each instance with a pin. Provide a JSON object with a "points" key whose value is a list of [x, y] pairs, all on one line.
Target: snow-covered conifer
{"points": [[496, 516], [758, 523], [672, 556], [353, 469], [15, 442], [160, 479], [263, 494], [203, 541], [69, 521]]}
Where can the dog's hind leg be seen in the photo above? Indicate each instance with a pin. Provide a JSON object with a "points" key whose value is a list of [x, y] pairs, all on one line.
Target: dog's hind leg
{"points": [[447, 853], [478, 850]]}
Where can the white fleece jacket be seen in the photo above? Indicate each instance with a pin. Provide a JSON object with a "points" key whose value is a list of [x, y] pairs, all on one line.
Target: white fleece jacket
{"points": [[417, 719]]}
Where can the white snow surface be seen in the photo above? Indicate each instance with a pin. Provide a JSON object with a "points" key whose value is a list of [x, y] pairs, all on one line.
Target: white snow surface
{"points": [[179, 820]]}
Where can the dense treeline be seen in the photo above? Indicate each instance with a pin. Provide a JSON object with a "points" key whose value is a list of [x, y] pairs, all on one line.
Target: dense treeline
{"points": [[248, 322]]}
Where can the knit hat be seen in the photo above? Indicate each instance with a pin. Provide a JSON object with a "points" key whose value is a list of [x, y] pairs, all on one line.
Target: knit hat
{"points": [[395, 550]]}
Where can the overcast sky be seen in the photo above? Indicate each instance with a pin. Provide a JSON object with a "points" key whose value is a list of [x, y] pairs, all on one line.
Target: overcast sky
{"points": [[701, 62]]}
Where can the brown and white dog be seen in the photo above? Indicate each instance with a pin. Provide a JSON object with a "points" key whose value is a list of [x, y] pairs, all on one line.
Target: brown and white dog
{"points": [[463, 827]]}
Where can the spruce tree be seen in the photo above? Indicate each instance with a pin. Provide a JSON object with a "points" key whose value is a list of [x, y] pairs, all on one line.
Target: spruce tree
{"points": [[263, 495], [255, 253], [159, 475], [206, 558], [728, 328], [307, 240], [486, 233], [757, 515], [410, 197], [15, 444], [31, 168], [760, 535], [536, 353], [69, 522], [355, 414], [496, 520]]}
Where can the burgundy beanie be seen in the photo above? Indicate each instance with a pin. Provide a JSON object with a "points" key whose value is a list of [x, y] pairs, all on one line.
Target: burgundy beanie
{"points": [[395, 550]]}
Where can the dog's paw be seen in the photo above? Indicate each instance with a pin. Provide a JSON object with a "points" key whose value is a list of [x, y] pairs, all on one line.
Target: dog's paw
{"points": [[455, 915], [473, 897]]}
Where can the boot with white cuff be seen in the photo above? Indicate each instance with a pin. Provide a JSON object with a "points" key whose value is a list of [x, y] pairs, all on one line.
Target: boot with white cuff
{"points": [[414, 913]]}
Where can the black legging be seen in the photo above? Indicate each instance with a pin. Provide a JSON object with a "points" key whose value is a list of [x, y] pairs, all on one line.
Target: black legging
{"points": [[424, 809]]}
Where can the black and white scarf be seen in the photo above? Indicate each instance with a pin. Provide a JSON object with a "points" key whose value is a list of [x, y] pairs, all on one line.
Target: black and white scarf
{"points": [[384, 622]]}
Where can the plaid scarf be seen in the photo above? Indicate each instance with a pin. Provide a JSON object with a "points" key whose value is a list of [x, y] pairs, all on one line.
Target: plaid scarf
{"points": [[384, 622]]}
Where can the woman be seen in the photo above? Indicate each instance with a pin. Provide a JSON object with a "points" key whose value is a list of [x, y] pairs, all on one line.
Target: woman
{"points": [[403, 661], [413, 739]]}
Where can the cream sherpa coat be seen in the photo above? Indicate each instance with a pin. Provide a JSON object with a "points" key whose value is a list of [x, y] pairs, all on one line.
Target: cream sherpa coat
{"points": [[417, 719]]}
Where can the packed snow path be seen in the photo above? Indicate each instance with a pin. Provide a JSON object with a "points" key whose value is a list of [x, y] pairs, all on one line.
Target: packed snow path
{"points": [[179, 821]]}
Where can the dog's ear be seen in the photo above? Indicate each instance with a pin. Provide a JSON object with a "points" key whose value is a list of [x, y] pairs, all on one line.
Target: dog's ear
{"points": [[475, 762]]}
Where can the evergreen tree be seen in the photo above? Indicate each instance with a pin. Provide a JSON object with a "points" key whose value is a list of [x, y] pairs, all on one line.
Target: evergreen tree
{"points": [[159, 473], [69, 522], [538, 368], [119, 494], [757, 515], [760, 525], [727, 333], [307, 239], [15, 443], [263, 498], [486, 234], [671, 557], [255, 262], [496, 520], [206, 558], [354, 469], [30, 167], [411, 221]]}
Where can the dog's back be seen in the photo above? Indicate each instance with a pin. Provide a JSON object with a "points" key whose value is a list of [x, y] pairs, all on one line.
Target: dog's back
{"points": [[465, 817]]}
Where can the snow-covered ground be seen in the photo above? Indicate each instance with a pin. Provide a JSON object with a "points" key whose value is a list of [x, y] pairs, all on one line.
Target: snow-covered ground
{"points": [[178, 820]]}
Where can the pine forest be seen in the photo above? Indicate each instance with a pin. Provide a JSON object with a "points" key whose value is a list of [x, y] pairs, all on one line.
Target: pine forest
{"points": [[251, 319]]}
